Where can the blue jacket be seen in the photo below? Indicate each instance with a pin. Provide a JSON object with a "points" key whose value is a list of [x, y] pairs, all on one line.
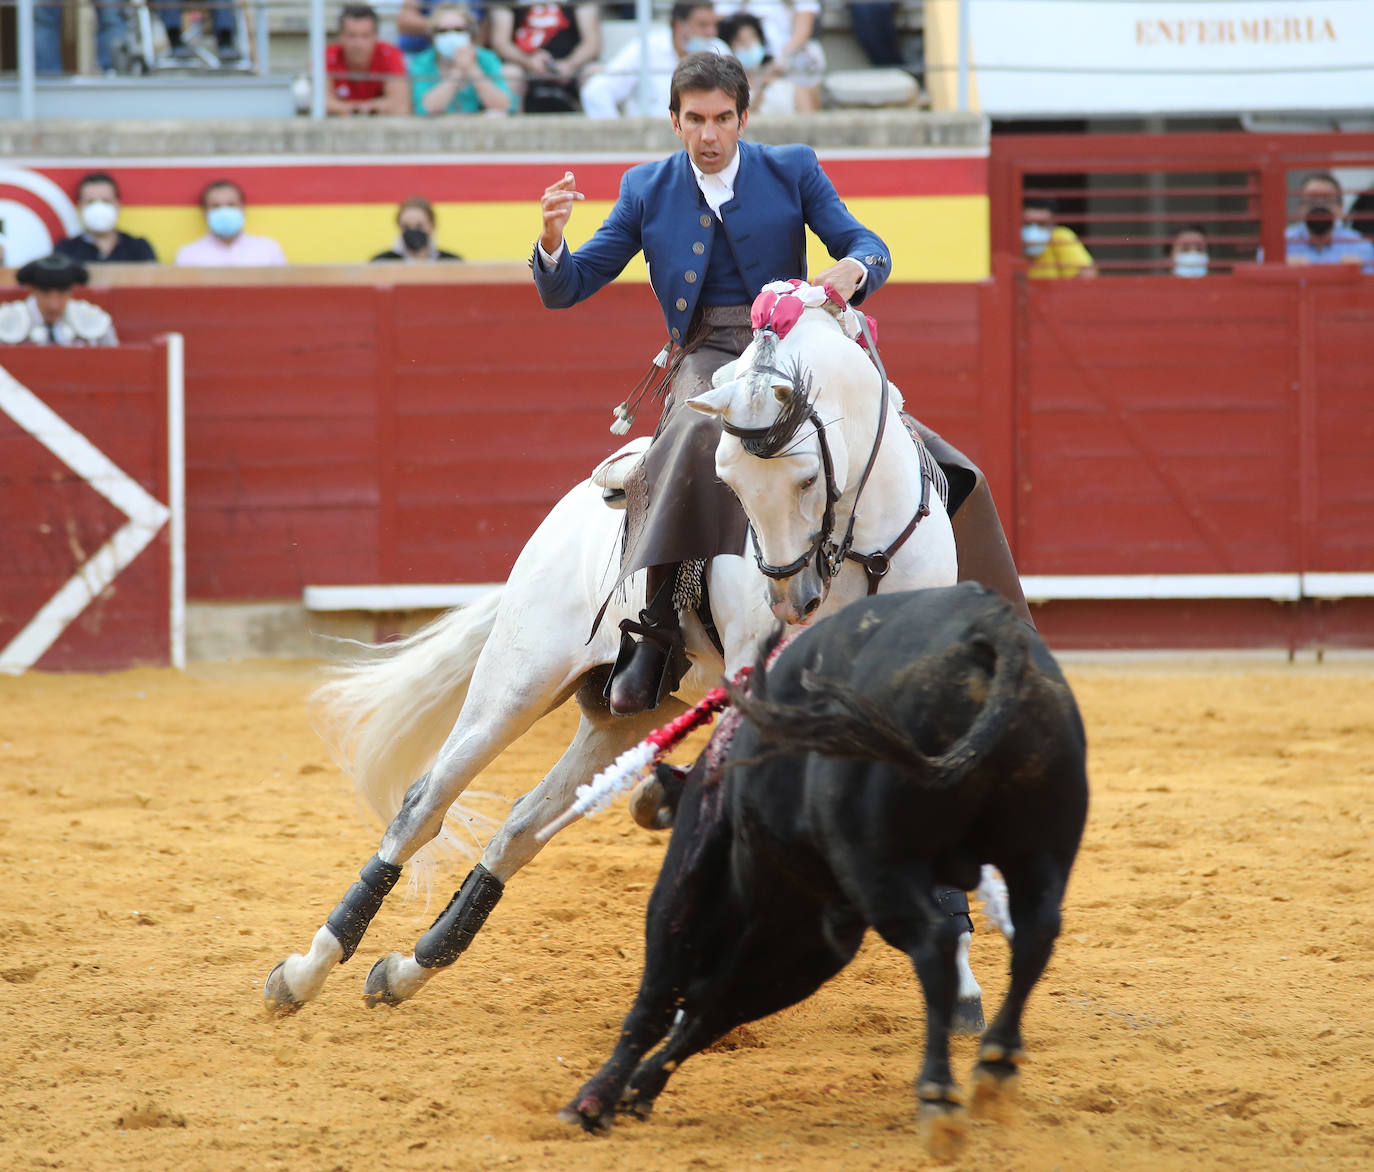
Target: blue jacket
{"points": [[779, 192]]}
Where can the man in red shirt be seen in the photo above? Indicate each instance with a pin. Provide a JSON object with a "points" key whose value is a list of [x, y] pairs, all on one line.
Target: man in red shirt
{"points": [[366, 75]]}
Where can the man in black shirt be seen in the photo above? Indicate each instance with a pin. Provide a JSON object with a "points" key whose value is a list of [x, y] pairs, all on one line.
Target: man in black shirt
{"points": [[97, 199]]}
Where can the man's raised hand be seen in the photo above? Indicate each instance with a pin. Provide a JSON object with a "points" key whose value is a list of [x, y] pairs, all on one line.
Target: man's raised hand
{"points": [[557, 205]]}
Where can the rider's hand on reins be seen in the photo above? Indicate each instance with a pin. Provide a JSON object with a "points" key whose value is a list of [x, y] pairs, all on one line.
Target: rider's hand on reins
{"points": [[844, 276], [557, 204]]}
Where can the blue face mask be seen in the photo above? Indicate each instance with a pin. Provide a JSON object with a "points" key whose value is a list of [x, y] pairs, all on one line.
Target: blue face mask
{"points": [[1035, 238], [701, 44], [446, 44], [1190, 264], [225, 222], [750, 56]]}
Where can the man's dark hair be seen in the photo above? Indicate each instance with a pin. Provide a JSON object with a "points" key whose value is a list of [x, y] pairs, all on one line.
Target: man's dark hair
{"points": [[96, 177], [357, 12], [682, 13], [1322, 177], [215, 186], [703, 72], [1038, 203]]}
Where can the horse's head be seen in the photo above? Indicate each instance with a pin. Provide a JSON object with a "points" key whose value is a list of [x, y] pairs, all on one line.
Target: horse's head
{"points": [[784, 464]]}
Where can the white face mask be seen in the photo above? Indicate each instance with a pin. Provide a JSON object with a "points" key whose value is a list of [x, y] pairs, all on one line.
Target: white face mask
{"points": [[447, 43], [1035, 238], [1190, 264], [750, 56], [99, 215]]}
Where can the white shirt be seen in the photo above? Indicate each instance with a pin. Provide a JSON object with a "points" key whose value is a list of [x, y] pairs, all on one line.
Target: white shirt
{"points": [[614, 92], [776, 16]]}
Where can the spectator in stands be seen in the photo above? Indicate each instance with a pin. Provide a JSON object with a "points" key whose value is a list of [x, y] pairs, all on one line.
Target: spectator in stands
{"points": [[226, 243], [615, 90], [47, 36], [789, 28], [412, 25], [416, 219], [366, 75], [224, 20], [49, 315], [97, 199], [875, 28], [456, 75], [1053, 250], [1320, 238], [546, 50], [1189, 252], [743, 32], [1362, 214]]}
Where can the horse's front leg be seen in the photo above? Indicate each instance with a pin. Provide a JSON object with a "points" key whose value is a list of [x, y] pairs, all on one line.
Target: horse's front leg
{"points": [[600, 739], [498, 709]]}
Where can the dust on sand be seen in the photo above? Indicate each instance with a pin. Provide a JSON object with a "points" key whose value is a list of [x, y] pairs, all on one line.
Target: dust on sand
{"points": [[167, 838]]}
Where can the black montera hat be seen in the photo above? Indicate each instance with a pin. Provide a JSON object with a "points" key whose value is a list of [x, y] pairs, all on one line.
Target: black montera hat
{"points": [[53, 272]]}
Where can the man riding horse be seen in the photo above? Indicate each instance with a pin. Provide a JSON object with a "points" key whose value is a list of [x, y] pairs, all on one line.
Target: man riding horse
{"points": [[716, 222]]}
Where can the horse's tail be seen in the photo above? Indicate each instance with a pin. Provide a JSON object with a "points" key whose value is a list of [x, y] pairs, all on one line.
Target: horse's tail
{"points": [[385, 714], [838, 721]]}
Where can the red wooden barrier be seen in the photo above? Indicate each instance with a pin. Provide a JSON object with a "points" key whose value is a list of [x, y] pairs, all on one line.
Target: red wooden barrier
{"points": [[347, 435], [55, 525]]}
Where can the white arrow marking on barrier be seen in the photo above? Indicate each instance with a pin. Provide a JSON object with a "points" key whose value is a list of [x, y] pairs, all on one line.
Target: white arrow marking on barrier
{"points": [[146, 516]]}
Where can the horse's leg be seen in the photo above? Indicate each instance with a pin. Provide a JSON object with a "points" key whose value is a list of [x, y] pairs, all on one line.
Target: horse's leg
{"points": [[508, 692], [600, 739]]}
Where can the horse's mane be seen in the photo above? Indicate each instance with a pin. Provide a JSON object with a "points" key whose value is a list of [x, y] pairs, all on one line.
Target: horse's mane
{"points": [[796, 403]]}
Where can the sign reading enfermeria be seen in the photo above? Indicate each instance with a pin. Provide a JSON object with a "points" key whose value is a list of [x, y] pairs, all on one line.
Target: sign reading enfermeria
{"points": [[1077, 57]]}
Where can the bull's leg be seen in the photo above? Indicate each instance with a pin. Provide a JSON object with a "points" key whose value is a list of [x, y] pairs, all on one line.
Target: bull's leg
{"points": [[766, 971], [1036, 889], [600, 739]]}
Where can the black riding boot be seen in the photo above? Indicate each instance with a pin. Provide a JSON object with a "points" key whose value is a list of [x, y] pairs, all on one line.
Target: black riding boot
{"points": [[648, 669]]}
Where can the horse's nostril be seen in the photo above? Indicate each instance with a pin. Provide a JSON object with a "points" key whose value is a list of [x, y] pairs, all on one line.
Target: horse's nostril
{"points": [[811, 606]]}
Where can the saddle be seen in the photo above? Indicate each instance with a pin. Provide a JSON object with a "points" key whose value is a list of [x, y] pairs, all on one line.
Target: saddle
{"points": [[610, 475]]}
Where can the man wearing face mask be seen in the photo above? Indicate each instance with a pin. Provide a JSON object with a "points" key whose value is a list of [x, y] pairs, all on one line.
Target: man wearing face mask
{"points": [[1189, 252], [614, 92], [1053, 250], [97, 200], [226, 244], [415, 218], [1320, 238]]}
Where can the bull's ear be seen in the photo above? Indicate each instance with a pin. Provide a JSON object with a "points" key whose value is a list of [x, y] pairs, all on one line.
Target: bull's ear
{"points": [[716, 401]]}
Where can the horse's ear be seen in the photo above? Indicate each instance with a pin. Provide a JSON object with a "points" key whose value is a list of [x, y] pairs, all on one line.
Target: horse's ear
{"points": [[782, 394], [716, 401]]}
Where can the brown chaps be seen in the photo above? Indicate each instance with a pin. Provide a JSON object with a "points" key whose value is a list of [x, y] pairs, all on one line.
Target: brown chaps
{"points": [[678, 510]]}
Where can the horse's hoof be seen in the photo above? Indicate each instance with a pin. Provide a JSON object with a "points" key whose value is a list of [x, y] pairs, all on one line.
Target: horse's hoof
{"points": [[377, 989], [944, 1129], [995, 1086], [647, 806], [281, 1002], [586, 1114], [968, 1017]]}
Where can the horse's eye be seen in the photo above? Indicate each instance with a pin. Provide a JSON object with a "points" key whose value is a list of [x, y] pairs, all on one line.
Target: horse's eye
{"points": [[807, 483]]}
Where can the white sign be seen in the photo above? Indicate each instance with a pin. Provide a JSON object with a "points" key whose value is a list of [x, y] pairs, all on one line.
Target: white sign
{"points": [[1079, 57]]}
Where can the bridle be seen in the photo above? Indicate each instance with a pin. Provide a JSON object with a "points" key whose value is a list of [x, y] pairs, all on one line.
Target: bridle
{"points": [[830, 555]]}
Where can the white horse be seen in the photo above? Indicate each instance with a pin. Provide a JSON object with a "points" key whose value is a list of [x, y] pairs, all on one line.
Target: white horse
{"points": [[444, 703]]}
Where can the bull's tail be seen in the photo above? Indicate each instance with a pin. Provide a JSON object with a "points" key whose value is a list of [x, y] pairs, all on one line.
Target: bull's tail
{"points": [[838, 721]]}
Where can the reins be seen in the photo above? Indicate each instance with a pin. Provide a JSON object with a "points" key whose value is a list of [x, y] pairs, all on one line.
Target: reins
{"points": [[830, 556]]}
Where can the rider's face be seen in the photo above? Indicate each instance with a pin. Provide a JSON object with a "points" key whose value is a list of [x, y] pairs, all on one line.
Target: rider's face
{"points": [[709, 127]]}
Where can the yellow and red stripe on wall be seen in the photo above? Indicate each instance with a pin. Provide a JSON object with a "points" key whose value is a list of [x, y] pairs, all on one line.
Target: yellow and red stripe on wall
{"points": [[929, 205]]}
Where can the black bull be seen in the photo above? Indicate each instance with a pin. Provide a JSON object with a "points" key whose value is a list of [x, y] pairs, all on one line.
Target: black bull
{"points": [[900, 744]]}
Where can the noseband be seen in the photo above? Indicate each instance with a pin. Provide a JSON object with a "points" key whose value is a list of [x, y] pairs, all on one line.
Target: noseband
{"points": [[830, 555]]}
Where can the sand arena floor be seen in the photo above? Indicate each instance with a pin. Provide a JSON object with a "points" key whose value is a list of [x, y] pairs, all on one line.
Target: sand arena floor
{"points": [[166, 839]]}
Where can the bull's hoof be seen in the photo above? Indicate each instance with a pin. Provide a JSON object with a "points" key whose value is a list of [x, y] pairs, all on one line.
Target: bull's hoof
{"points": [[281, 1002], [635, 1106], [648, 807], [968, 1017], [943, 1126], [377, 988], [588, 1114]]}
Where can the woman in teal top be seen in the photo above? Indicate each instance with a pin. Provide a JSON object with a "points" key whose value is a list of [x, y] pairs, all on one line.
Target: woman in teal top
{"points": [[455, 76]]}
